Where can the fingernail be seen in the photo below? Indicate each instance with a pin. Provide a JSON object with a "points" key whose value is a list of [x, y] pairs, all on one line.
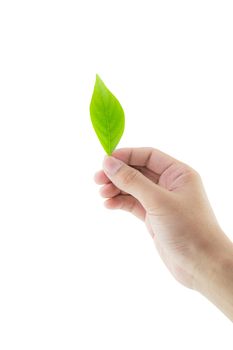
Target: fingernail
{"points": [[111, 165]]}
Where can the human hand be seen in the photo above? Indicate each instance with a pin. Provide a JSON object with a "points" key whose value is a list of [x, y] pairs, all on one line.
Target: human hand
{"points": [[169, 196]]}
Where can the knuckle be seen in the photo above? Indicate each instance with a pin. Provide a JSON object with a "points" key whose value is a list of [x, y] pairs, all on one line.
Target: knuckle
{"points": [[129, 177]]}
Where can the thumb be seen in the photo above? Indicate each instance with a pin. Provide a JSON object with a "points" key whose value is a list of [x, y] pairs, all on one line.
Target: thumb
{"points": [[132, 181]]}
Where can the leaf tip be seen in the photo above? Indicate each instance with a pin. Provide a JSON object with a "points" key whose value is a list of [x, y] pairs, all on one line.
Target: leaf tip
{"points": [[97, 77], [99, 80]]}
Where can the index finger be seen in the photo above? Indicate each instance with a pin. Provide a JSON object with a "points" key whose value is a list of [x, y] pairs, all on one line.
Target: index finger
{"points": [[148, 157]]}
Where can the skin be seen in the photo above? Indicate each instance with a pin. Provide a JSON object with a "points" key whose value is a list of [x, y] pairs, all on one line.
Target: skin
{"points": [[169, 197]]}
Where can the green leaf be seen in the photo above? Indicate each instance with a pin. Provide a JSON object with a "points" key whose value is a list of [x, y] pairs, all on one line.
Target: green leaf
{"points": [[107, 116]]}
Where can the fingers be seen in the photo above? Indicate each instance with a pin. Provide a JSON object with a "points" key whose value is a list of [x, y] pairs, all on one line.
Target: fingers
{"points": [[127, 203], [133, 182], [148, 173], [151, 162], [148, 157], [109, 191], [135, 171], [117, 198], [101, 178]]}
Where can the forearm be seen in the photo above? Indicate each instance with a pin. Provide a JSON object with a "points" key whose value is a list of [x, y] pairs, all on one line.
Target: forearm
{"points": [[215, 276]]}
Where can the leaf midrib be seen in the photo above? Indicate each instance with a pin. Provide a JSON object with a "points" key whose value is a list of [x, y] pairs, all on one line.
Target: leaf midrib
{"points": [[107, 121]]}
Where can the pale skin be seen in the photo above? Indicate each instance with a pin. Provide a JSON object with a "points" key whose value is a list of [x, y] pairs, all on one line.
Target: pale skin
{"points": [[169, 197]]}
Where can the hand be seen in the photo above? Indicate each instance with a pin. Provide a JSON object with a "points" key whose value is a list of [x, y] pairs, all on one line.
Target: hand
{"points": [[169, 196]]}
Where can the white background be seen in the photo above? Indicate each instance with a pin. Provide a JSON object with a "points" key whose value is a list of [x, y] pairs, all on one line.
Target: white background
{"points": [[74, 275]]}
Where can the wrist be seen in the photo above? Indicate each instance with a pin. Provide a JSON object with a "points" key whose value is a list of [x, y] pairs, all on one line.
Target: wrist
{"points": [[214, 274], [214, 258]]}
